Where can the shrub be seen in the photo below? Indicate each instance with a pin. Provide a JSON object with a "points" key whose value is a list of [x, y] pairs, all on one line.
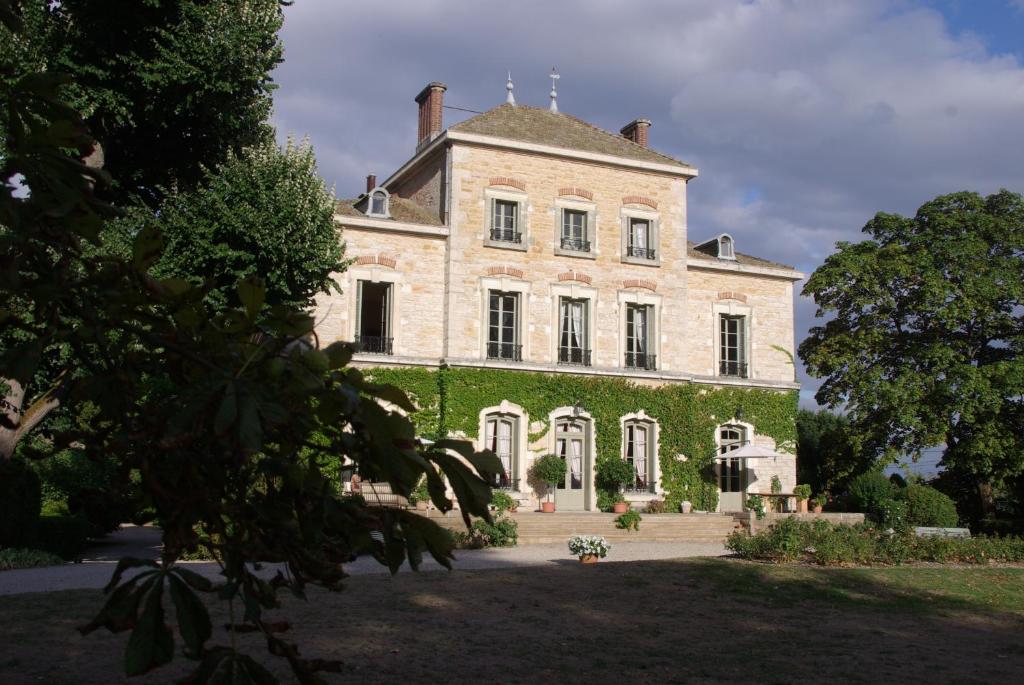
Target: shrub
{"points": [[826, 544], [502, 501], [12, 558], [65, 536], [755, 503], [926, 506], [20, 501], [420, 493], [656, 506], [628, 521], [94, 489], [613, 474], [869, 491], [548, 469], [504, 532], [605, 500]]}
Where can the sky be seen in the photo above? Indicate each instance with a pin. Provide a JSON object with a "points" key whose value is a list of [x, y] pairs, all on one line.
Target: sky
{"points": [[804, 118]]}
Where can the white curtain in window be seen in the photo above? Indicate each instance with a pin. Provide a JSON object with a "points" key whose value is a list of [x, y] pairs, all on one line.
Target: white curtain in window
{"points": [[576, 464], [576, 325], [640, 329], [504, 446], [640, 235], [640, 453]]}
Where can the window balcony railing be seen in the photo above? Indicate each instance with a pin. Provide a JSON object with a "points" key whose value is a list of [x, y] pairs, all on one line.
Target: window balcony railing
{"points": [[641, 360], [573, 355], [503, 482], [730, 368], [575, 244], [640, 486], [507, 351], [374, 344], [640, 252], [506, 235]]}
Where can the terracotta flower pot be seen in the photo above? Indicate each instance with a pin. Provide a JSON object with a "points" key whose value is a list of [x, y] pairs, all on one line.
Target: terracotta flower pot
{"points": [[620, 507], [817, 508], [547, 507], [589, 559], [801, 506]]}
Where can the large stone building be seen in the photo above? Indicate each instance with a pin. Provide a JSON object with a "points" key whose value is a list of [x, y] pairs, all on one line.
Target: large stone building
{"points": [[524, 259]]}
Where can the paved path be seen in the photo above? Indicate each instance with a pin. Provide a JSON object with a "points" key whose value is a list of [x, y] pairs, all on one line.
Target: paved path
{"points": [[95, 570]]}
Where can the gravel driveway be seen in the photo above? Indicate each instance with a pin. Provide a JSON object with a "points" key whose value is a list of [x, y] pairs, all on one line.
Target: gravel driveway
{"points": [[95, 570]]}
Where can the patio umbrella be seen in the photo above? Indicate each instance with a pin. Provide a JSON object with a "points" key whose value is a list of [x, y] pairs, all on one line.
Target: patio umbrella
{"points": [[750, 451]]}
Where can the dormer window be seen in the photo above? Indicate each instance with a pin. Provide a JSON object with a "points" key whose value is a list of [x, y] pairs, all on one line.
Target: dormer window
{"points": [[725, 250], [722, 247], [378, 205]]}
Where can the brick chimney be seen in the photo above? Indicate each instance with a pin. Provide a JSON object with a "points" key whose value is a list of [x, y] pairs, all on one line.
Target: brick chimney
{"points": [[371, 182], [636, 131], [430, 100]]}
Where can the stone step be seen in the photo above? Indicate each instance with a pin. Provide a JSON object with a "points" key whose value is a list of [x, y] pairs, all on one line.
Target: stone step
{"points": [[538, 528]]}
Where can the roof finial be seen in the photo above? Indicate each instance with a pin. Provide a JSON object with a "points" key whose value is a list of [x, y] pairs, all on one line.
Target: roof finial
{"points": [[510, 98], [554, 91]]}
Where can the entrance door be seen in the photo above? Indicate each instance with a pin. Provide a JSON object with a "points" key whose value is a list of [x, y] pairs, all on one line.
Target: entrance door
{"points": [[571, 447], [732, 476]]}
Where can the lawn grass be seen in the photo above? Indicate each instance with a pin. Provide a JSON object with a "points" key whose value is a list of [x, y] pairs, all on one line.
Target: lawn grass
{"points": [[703, 620]]}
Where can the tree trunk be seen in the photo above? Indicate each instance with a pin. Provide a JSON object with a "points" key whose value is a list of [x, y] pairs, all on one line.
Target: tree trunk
{"points": [[18, 423], [986, 501]]}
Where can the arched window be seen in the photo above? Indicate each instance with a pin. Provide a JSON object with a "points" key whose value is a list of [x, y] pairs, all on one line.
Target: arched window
{"points": [[638, 450], [378, 203], [725, 249], [501, 432]]}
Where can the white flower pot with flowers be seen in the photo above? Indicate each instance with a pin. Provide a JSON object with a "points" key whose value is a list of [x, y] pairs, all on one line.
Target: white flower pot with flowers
{"points": [[589, 548]]}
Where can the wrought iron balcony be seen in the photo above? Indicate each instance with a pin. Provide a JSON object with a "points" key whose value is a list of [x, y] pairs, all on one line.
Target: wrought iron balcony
{"points": [[503, 482], [507, 351], [640, 252], [640, 486], [730, 368], [640, 360], [573, 355], [575, 244], [374, 344], [506, 235]]}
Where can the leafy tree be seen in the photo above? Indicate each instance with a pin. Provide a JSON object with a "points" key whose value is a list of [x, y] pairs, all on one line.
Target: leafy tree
{"points": [[264, 212], [226, 414], [924, 343], [165, 85], [827, 456]]}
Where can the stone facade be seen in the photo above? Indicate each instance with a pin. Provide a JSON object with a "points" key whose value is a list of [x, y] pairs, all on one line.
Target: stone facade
{"points": [[441, 273]]}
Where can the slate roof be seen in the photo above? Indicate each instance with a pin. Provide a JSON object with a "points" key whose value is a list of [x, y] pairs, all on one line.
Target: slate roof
{"points": [[747, 260], [402, 210], [543, 127]]}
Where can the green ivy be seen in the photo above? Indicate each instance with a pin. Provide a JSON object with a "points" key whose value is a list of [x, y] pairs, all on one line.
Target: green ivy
{"points": [[450, 401]]}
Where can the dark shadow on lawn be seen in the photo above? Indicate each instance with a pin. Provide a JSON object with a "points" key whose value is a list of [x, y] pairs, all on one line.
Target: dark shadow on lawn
{"points": [[697, 620]]}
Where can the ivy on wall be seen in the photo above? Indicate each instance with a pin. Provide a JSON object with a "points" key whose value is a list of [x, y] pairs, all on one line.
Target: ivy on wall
{"points": [[450, 401]]}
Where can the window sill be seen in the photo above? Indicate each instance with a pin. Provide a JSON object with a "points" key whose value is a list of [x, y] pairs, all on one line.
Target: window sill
{"points": [[640, 261], [560, 252], [506, 245]]}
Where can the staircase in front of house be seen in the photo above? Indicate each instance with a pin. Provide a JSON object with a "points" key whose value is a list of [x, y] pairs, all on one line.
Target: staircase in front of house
{"points": [[537, 528]]}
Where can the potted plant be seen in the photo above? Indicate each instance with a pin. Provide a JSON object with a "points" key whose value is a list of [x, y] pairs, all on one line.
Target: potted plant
{"points": [[819, 502], [589, 548], [629, 521], [420, 496], [614, 475], [549, 469], [802, 494], [686, 506]]}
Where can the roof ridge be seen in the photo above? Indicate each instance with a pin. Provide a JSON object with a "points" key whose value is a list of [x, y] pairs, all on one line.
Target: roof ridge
{"points": [[465, 123]]}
